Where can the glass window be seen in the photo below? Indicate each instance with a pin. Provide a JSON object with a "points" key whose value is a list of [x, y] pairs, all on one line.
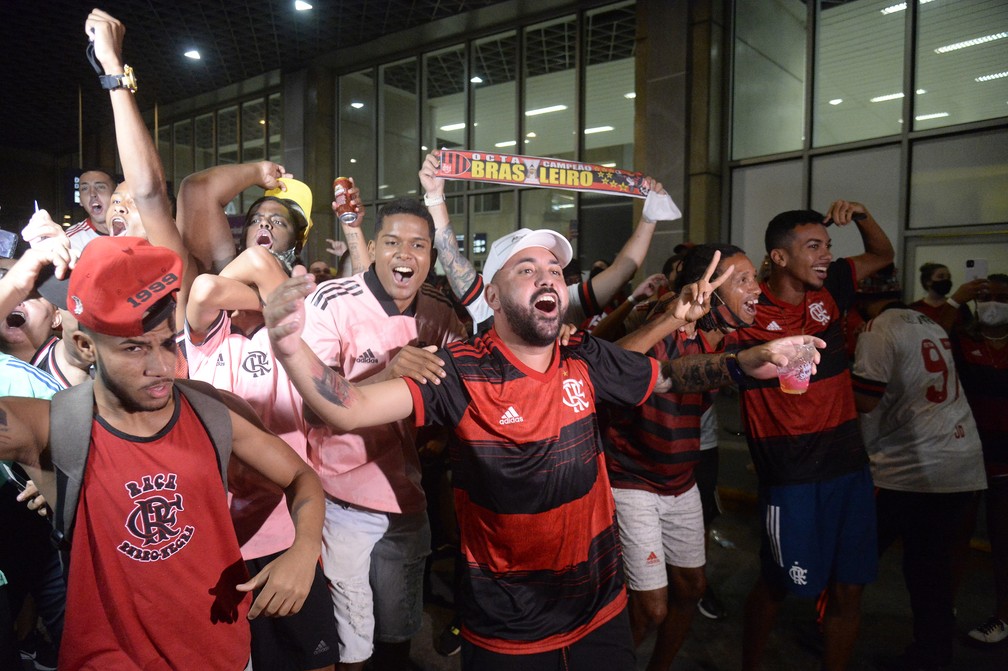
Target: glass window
{"points": [[275, 128], [768, 85], [759, 193], [864, 177], [550, 86], [253, 139], [959, 180], [399, 133], [444, 110], [962, 62], [954, 254], [485, 227], [493, 82], [357, 147], [859, 71], [204, 156], [550, 208], [609, 87], [183, 149]]}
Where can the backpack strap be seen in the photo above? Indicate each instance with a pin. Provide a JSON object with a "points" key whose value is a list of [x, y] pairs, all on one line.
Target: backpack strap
{"points": [[71, 413], [206, 401]]}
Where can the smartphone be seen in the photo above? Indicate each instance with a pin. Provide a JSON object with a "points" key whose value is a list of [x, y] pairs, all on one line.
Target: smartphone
{"points": [[8, 244], [14, 476], [975, 268]]}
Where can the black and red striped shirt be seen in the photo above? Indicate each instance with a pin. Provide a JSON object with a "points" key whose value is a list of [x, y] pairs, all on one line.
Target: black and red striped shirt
{"points": [[795, 438], [536, 514]]}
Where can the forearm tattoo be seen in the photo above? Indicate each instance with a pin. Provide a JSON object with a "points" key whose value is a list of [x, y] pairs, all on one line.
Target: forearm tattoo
{"points": [[332, 386], [359, 260], [697, 372], [458, 269]]}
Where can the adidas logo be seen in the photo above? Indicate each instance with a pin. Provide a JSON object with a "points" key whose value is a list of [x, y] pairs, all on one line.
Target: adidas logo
{"points": [[511, 416], [320, 648], [220, 360], [652, 559], [367, 357], [773, 326]]}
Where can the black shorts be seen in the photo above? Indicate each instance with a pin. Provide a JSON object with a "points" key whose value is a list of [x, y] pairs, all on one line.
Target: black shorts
{"points": [[305, 640], [609, 647]]}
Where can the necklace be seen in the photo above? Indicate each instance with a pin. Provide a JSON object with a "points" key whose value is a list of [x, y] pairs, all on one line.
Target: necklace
{"points": [[998, 338]]}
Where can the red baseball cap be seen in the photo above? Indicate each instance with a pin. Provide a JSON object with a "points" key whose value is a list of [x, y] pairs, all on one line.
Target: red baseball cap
{"points": [[119, 283]]}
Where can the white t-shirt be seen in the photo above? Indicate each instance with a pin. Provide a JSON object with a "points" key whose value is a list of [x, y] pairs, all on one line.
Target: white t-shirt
{"points": [[921, 437], [82, 233]]}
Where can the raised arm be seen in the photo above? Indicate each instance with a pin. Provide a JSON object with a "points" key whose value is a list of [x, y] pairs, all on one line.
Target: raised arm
{"points": [[458, 269], [330, 396], [356, 241], [242, 285], [630, 257], [201, 201], [878, 251]]}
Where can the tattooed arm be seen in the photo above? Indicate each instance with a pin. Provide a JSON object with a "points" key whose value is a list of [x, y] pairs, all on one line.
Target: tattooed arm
{"points": [[700, 372], [330, 396], [458, 268]]}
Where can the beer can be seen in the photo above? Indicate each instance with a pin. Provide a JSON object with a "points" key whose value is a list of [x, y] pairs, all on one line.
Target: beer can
{"points": [[346, 211]]}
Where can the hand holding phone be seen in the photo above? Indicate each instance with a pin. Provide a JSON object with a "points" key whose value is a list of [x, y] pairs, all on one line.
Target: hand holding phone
{"points": [[976, 269]]}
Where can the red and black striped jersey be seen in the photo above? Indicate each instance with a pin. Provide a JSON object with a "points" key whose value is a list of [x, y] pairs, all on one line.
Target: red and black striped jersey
{"points": [[795, 438], [535, 511], [983, 371], [656, 446]]}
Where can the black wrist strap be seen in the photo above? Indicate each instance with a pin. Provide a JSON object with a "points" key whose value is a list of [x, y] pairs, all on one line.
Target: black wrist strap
{"points": [[89, 50]]}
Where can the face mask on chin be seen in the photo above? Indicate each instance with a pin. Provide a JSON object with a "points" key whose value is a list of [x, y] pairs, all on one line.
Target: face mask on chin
{"points": [[992, 313]]}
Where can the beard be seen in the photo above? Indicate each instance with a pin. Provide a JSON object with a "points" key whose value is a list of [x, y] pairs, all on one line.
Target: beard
{"points": [[527, 324]]}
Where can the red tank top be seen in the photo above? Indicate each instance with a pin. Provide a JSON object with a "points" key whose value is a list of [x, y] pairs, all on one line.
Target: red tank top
{"points": [[154, 557]]}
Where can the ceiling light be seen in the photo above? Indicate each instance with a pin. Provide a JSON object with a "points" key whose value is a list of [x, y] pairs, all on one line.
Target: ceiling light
{"points": [[836, 101], [611, 164], [546, 110], [353, 160], [476, 79], [423, 147], [970, 43], [987, 78], [357, 104], [921, 92], [301, 5], [631, 95], [892, 9], [530, 134], [453, 126], [888, 96], [193, 54], [598, 129], [262, 122], [506, 143], [936, 115]]}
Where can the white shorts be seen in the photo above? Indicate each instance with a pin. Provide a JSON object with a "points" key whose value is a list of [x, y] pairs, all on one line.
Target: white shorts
{"points": [[656, 530], [374, 562]]}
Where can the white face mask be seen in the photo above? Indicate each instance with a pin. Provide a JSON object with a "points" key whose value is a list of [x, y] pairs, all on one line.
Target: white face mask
{"points": [[992, 313]]}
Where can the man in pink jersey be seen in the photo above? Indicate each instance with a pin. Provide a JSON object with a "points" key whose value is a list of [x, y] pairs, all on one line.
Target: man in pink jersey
{"points": [[155, 575]]}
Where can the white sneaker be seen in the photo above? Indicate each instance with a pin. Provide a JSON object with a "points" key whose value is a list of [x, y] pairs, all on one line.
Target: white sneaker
{"points": [[993, 630]]}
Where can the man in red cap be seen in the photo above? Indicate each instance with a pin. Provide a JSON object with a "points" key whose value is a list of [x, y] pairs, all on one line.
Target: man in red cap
{"points": [[156, 578]]}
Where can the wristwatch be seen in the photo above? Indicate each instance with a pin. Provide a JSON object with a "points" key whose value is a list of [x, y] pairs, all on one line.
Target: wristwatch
{"points": [[735, 369], [127, 80]]}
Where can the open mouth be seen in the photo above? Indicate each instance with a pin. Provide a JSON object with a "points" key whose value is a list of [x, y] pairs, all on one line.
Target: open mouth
{"points": [[749, 307], [820, 271], [117, 226], [546, 303], [96, 206], [264, 239], [402, 274], [16, 319]]}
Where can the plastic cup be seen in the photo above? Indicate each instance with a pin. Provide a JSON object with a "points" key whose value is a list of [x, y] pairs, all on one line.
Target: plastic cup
{"points": [[794, 377]]}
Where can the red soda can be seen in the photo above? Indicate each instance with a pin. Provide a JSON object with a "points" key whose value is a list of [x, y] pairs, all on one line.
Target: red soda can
{"points": [[346, 211]]}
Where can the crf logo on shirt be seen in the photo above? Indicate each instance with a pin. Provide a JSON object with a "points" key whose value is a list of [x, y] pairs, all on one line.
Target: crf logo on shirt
{"points": [[819, 313], [574, 395], [256, 363], [154, 519]]}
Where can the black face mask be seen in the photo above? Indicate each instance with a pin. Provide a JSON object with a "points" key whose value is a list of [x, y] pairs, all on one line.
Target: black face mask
{"points": [[941, 287]]}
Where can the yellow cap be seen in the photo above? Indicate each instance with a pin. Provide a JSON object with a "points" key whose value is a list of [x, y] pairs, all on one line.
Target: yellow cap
{"points": [[298, 192]]}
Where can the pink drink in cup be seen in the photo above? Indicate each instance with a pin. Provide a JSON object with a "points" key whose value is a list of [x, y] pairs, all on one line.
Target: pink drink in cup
{"points": [[794, 377]]}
